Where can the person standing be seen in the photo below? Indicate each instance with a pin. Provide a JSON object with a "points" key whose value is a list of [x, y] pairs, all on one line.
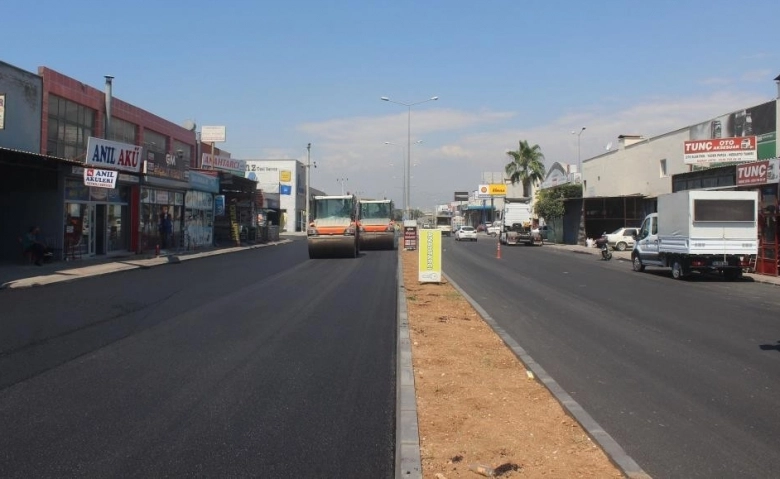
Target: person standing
{"points": [[165, 227], [31, 243]]}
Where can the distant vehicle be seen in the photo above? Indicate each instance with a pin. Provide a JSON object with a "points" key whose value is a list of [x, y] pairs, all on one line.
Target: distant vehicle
{"points": [[622, 238], [494, 228], [545, 232], [444, 222], [466, 233]]}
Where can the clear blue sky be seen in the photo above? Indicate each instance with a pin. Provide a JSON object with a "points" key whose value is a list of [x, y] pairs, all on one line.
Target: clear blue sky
{"points": [[279, 75]]}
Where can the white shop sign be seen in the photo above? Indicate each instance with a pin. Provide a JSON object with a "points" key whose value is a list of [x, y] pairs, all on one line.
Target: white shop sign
{"points": [[100, 178]]}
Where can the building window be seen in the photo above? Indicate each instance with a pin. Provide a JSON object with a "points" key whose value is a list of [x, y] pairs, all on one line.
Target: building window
{"points": [[183, 153], [664, 173], [156, 146], [123, 131], [70, 126]]}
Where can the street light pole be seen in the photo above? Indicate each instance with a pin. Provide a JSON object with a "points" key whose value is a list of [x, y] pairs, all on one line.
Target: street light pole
{"points": [[581, 233], [308, 182], [407, 195], [342, 181]]}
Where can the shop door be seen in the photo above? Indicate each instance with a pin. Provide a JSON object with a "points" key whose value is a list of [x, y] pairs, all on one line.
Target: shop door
{"points": [[100, 229], [89, 228]]}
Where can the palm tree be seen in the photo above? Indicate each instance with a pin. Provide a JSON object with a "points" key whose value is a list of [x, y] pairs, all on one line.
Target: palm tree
{"points": [[526, 167]]}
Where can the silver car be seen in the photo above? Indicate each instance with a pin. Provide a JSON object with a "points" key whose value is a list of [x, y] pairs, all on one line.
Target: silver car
{"points": [[622, 238]]}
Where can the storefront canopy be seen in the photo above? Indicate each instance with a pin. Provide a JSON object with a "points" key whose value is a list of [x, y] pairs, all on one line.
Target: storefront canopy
{"points": [[479, 207]]}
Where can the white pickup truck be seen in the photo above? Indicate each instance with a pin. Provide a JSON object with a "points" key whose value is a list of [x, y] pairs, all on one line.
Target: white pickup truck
{"points": [[699, 230]]}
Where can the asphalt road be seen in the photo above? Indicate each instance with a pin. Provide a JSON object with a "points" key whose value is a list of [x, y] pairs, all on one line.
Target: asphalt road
{"points": [[685, 375], [262, 363]]}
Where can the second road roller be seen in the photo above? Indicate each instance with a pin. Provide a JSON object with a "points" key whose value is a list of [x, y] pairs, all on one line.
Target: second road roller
{"points": [[333, 231], [377, 228]]}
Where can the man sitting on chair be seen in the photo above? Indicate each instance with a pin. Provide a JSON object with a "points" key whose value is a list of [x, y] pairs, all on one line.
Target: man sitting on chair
{"points": [[32, 244]]}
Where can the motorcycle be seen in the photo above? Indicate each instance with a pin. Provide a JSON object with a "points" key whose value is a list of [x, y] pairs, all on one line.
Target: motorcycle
{"points": [[603, 244]]}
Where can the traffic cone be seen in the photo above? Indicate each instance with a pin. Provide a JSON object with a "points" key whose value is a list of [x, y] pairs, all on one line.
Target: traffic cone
{"points": [[498, 249]]}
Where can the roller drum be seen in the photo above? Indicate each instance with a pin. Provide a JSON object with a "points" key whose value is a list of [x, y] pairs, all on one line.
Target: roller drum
{"points": [[343, 247]]}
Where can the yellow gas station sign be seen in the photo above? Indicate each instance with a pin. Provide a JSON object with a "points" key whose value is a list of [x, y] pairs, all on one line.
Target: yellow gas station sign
{"points": [[285, 176], [493, 189]]}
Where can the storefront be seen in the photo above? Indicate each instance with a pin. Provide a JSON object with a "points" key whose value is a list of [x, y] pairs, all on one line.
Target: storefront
{"points": [[161, 206], [761, 176], [96, 220], [239, 223], [199, 210]]}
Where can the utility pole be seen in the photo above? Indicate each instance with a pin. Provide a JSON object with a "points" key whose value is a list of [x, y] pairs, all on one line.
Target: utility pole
{"points": [[308, 182]]}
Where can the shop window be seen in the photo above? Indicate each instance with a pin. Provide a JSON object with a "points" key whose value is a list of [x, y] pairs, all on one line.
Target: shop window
{"points": [[156, 146]]}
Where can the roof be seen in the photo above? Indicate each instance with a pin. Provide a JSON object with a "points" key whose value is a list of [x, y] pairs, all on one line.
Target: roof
{"points": [[21, 154]]}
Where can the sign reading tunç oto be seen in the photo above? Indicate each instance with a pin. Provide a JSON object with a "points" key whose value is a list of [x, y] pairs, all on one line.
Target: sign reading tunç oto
{"points": [[112, 154], [758, 173], [100, 178], [720, 150]]}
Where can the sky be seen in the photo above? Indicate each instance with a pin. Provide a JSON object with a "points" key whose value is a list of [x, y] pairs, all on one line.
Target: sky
{"points": [[280, 75]]}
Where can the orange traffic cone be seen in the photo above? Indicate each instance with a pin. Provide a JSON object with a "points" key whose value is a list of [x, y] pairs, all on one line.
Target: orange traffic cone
{"points": [[498, 249]]}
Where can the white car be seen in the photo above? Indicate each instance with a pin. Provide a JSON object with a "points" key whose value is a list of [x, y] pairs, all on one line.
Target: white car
{"points": [[622, 238], [466, 233], [494, 228]]}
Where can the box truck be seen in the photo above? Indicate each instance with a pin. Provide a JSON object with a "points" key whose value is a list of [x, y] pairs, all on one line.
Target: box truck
{"points": [[699, 230]]}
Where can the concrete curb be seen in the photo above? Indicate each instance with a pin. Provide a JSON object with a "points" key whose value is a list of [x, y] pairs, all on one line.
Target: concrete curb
{"points": [[73, 274], [408, 463], [611, 448]]}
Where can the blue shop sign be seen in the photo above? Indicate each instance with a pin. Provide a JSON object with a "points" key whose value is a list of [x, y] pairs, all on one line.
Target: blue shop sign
{"points": [[203, 182]]}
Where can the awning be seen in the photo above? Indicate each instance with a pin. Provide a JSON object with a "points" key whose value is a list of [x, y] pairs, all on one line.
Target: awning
{"points": [[479, 207], [11, 156]]}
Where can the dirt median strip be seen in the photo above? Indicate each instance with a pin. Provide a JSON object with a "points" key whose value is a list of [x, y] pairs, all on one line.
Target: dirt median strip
{"points": [[478, 406]]}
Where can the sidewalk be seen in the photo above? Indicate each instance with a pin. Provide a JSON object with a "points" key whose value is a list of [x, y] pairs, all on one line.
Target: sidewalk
{"points": [[28, 275], [626, 256]]}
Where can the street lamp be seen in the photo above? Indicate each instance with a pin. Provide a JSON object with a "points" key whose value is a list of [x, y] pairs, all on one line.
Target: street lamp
{"points": [[579, 160], [409, 144], [342, 181], [581, 233], [308, 182], [390, 143]]}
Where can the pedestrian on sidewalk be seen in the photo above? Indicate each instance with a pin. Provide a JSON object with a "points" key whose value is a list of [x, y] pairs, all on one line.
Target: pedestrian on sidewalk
{"points": [[31, 243], [165, 227]]}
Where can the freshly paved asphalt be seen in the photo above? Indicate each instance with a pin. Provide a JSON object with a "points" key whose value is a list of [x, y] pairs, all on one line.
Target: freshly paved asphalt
{"points": [[260, 363], [683, 374]]}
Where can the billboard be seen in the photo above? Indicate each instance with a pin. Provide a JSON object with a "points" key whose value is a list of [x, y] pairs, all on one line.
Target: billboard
{"points": [[491, 190], [759, 121], [461, 196], [429, 256], [723, 150], [212, 134]]}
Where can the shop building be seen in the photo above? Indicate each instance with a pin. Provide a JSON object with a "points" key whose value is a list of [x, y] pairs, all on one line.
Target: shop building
{"points": [[287, 179], [30, 182], [127, 218], [737, 150]]}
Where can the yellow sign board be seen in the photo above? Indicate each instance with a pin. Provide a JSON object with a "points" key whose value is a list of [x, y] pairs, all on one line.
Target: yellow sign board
{"points": [[429, 256], [285, 176], [497, 189]]}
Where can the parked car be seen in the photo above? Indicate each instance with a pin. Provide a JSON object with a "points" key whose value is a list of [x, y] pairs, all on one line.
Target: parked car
{"points": [[622, 238], [545, 232], [466, 233], [493, 229]]}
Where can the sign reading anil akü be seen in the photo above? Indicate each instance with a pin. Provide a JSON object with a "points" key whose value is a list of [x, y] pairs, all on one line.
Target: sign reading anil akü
{"points": [[114, 155]]}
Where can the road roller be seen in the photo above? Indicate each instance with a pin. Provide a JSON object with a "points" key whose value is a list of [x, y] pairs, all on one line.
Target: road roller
{"points": [[377, 228], [333, 231]]}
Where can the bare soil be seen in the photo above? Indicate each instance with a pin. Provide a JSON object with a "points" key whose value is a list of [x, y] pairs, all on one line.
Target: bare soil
{"points": [[477, 405]]}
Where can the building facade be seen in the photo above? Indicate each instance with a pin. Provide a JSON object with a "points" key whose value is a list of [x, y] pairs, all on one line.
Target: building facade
{"points": [[287, 179]]}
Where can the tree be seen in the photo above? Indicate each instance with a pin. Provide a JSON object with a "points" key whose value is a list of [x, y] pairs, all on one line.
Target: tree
{"points": [[527, 166], [549, 202]]}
